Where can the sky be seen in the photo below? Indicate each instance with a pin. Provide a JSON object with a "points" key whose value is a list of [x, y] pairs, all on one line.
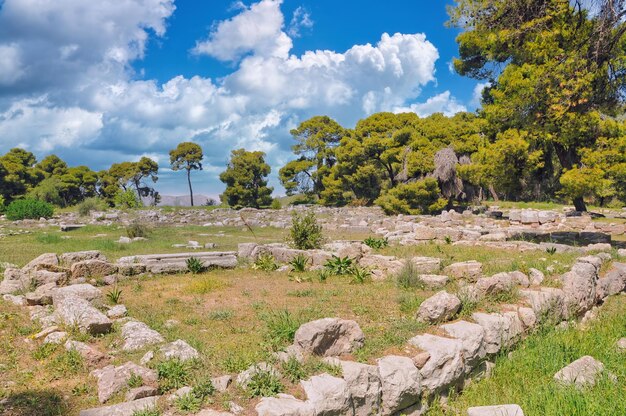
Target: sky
{"points": [[100, 82]]}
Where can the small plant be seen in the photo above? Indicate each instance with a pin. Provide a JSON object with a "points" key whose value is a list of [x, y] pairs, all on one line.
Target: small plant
{"points": [[551, 251], [323, 275], [298, 263], [293, 370], [265, 262], [264, 383], [90, 204], [22, 209], [281, 327], [49, 239], [360, 275], [69, 362], [221, 315], [203, 388], [135, 381], [114, 295], [188, 403], [409, 277], [448, 239], [339, 266], [147, 412], [127, 199], [275, 204], [173, 374], [44, 351], [376, 243], [306, 233], [137, 230], [194, 265]]}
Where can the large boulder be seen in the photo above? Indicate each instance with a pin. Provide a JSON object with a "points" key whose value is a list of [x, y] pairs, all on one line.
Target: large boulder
{"points": [[283, 405], [180, 350], [547, 303], [329, 337], [364, 386], [123, 409], [445, 367], [92, 268], [68, 259], [501, 330], [401, 383], [74, 311], [501, 410], [112, 379], [471, 336], [470, 270], [83, 290], [440, 307], [583, 372], [579, 287], [426, 265], [382, 266], [328, 395], [138, 335], [46, 261]]}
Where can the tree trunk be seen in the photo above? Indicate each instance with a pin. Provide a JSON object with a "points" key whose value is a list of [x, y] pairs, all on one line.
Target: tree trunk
{"points": [[189, 182], [569, 158], [579, 204], [494, 194]]}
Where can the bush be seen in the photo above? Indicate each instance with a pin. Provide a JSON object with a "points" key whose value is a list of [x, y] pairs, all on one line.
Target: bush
{"points": [[360, 274], [409, 276], [275, 204], [298, 263], [306, 233], [127, 199], [195, 265], [28, 209], [136, 229], [264, 384], [376, 243], [415, 198], [265, 262], [90, 204], [339, 266], [173, 374]]}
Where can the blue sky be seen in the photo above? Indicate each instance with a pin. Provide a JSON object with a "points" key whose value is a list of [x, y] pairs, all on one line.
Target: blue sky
{"points": [[101, 82]]}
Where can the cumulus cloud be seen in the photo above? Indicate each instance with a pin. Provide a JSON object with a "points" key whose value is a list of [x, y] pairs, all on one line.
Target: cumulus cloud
{"points": [[71, 89], [477, 94], [301, 19]]}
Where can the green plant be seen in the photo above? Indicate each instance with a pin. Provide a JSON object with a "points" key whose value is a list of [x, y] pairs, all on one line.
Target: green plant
{"points": [[281, 327], [293, 370], [172, 374], [339, 265], [323, 275], [135, 381], [376, 243], [276, 204], [68, 362], [114, 295], [147, 412], [359, 274], [551, 250], [448, 239], [195, 265], [127, 199], [49, 238], [137, 229], [22, 209], [306, 233], [90, 204], [188, 403], [264, 383], [44, 351], [2, 204], [298, 263], [409, 302], [409, 276], [265, 262], [203, 388], [221, 315]]}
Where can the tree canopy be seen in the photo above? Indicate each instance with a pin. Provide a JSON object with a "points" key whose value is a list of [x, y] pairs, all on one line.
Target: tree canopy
{"points": [[246, 180], [188, 156]]}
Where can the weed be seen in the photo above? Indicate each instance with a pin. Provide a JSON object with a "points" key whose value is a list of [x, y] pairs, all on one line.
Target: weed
{"points": [[195, 265], [293, 370], [281, 326], [264, 383], [173, 374], [188, 403], [448, 239], [306, 233], [409, 302], [236, 362], [44, 351], [265, 262], [135, 381], [409, 276], [136, 229], [203, 388], [114, 295], [339, 266], [49, 239], [221, 315], [68, 362], [298, 263], [204, 284], [551, 250], [323, 275], [376, 243], [359, 275], [147, 412]]}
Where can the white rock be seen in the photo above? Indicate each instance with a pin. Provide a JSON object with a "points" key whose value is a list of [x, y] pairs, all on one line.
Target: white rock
{"points": [[55, 338], [502, 410], [401, 383], [329, 337], [180, 350], [364, 385], [327, 395], [445, 367], [440, 307], [117, 311], [138, 335], [580, 373]]}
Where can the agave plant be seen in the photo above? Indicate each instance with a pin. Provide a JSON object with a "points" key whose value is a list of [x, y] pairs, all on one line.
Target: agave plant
{"points": [[265, 262], [376, 243], [194, 265], [298, 263], [360, 274], [339, 265]]}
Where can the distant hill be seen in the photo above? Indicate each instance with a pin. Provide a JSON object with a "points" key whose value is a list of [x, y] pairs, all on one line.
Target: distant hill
{"points": [[183, 200]]}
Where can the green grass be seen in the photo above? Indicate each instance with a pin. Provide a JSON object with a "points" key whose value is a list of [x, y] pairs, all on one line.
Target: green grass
{"points": [[527, 377]]}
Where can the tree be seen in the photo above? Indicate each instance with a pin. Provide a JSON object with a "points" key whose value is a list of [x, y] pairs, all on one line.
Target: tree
{"points": [[246, 180], [121, 177], [553, 68], [18, 172], [316, 140], [188, 156], [414, 198], [51, 165]]}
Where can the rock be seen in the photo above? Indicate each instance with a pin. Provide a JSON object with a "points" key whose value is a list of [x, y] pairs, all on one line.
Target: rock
{"points": [[426, 264], [445, 367], [123, 409], [82, 290], [283, 405], [245, 376], [529, 217], [536, 276], [547, 303], [470, 270], [18, 300], [329, 337], [327, 395], [132, 269], [387, 265], [180, 350], [221, 383], [421, 359], [291, 352], [42, 295], [527, 316], [581, 373], [55, 338], [211, 412], [440, 307], [47, 261], [147, 357], [88, 353], [502, 410], [138, 335], [579, 287], [75, 311], [117, 311], [364, 385], [472, 340], [400, 382], [124, 240], [46, 331], [611, 284], [43, 277], [501, 330], [141, 392], [621, 252], [68, 259], [434, 281], [244, 250], [183, 391], [235, 408], [112, 379], [92, 268], [621, 345]]}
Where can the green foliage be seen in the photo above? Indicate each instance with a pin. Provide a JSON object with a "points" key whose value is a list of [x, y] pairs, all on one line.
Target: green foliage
{"points": [[419, 197], [409, 276], [188, 156], [203, 388], [134, 381], [90, 204], [276, 204], [376, 243], [67, 363], [173, 374], [195, 265], [28, 209], [137, 229], [359, 275], [551, 250], [188, 403], [147, 412], [221, 315], [293, 370], [298, 263], [281, 327], [265, 262], [127, 199], [339, 266], [49, 238], [114, 295], [264, 384], [246, 180], [306, 233]]}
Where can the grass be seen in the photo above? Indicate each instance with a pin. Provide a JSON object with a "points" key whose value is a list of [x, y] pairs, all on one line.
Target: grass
{"points": [[527, 377]]}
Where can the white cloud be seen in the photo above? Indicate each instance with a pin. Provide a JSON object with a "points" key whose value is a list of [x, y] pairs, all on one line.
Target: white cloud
{"points": [[10, 64], [477, 94], [301, 18], [443, 103]]}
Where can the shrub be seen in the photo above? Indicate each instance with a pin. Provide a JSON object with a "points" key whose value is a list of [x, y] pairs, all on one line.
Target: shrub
{"points": [[173, 374], [306, 233], [419, 197], [281, 327], [195, 265], [298, 263], [90, 204], [127, 199], [137, 229], [264, 384], [275, 204], [265, 262], [147, 412], [203, 388], [188, 403], [28, 209], [409, 276], [376, 243], [339, 265]]}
